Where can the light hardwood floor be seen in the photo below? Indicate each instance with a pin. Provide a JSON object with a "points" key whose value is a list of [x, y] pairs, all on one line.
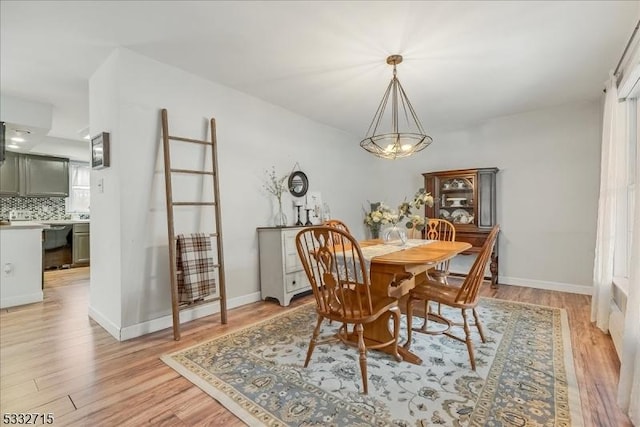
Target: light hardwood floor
{"points": [[53, 358]]}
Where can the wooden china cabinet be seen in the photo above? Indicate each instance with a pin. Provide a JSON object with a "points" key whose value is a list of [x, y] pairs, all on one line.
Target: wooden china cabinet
{"points": [[467, 198]]}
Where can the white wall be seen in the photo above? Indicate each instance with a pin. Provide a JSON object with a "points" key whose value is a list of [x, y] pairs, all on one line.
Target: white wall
{"points": [[36, 116], [105, 290], [129, 252], [547, 188], [547, 184]]}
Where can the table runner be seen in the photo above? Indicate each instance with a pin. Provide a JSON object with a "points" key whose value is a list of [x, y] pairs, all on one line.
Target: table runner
{"points": [[369, 252]]}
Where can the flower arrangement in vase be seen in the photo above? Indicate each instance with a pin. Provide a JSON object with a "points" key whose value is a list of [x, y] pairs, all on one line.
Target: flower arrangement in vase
{"points": [[381, 215], [277, 186]]}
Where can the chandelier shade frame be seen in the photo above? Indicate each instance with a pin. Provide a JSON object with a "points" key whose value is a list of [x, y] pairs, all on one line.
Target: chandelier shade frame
{"points": [[392, 143]]}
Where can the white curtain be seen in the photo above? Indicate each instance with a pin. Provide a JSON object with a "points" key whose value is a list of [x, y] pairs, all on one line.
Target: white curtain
{"points": [[605, 234], [629, 385]]}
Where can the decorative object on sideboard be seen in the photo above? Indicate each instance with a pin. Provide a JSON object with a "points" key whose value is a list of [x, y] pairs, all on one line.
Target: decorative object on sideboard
{"points": [[314, 204], [391, 142], [298, 205], [308, 217], [100, 151], [298, 184], [277, 186], [326, 212]]}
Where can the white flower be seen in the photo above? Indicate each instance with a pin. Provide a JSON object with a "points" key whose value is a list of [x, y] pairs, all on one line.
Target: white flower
{"points": [[274, 185], [385, 215], [416, 219]]}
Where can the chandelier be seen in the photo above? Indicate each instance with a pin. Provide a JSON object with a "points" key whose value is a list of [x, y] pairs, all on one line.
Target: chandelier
{"points": [[390, 142]]}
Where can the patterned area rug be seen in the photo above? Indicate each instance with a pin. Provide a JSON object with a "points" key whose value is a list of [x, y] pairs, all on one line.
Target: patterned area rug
{"points": [[525, 374]]}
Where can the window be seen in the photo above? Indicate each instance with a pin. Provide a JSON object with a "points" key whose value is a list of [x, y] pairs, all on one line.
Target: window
{"points": [[79, 188], [625, 200]]}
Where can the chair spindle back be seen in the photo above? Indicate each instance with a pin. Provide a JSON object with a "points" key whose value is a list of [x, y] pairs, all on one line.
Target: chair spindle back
{"points": [[333, 262], [440, 229], [336, 223], [469, 290]]}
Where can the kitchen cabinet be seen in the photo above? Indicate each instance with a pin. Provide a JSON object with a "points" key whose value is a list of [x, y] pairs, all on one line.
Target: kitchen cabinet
{"points": [[46, 176], [281, 273], [80, 244], [21, 260], [10, 175], [467, 198], [34, 176]]}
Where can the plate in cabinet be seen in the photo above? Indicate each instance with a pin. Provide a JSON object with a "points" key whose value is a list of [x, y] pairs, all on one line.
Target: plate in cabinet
{"points": [[461, 216]]}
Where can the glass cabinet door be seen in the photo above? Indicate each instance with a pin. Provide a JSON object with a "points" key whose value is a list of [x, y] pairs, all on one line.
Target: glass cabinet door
{"points": [[465, 197], [457, 199]]}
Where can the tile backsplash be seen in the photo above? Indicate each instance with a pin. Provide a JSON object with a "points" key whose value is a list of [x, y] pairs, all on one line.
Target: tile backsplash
{"points": [[40, 207]]}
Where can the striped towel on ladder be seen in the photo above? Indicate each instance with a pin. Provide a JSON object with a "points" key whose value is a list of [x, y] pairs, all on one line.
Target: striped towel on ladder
{"points": [[195, 266]]}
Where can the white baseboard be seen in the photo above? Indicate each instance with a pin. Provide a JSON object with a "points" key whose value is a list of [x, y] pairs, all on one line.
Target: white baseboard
{"points": [[21, 300], [106, 324], [550, 286], [186, 315]]}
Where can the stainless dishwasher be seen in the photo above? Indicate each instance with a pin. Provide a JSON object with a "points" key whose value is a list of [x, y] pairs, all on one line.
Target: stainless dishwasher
{"points": [[57, 245]]}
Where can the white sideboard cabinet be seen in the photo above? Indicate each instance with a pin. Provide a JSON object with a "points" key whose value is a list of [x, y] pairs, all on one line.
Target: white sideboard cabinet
{"points": [[281, 273]]}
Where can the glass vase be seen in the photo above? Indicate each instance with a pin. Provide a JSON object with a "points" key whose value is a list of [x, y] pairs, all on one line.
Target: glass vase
{"points": [[280, 220], [394, 235]]}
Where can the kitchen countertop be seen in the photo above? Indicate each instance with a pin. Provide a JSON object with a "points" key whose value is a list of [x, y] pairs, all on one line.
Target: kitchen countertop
{"points": [[23, 224], [63, 221], [42, 223]]}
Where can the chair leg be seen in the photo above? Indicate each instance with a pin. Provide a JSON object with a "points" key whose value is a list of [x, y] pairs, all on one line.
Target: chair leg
{"points": [[467, 334], [426, 316], [314, 340], [427, 311], [363, 357], [478, 325], [446, 283]]}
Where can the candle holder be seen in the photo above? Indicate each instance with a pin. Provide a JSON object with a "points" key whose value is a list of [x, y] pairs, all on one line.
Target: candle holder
{"points": [[308, 217], [298, 222]]}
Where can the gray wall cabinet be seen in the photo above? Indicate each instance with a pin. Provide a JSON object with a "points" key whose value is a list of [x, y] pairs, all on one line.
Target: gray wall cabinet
{"points": [[34, 176], [10, 175]]}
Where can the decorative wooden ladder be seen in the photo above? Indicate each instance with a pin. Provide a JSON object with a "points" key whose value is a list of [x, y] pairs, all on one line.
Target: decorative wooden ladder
{"points": [[215, 203]]}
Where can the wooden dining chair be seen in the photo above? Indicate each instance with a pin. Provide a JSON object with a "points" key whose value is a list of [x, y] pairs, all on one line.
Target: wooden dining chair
{"points": [[464, 297], [336, 223], [436, 229], [333, 262], [440, 229]]}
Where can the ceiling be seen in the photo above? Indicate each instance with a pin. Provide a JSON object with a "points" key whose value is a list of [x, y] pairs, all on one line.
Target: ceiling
{"points": [[464, 62]]}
